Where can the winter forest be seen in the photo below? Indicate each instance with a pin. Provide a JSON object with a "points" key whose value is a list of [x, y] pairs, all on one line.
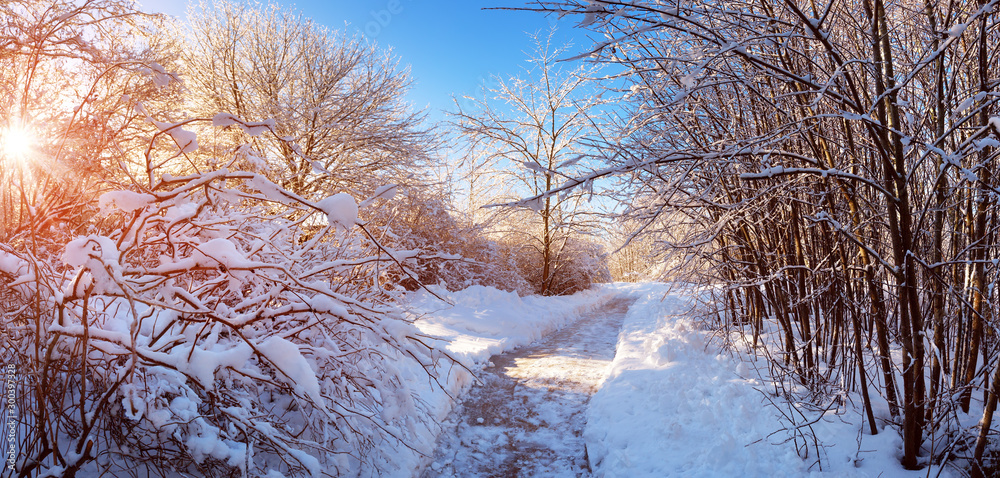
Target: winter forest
{"points": [[231, 247]]}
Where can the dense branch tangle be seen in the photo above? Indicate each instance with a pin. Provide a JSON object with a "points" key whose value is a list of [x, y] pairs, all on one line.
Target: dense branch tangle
{"points": [[208, 320], [200, 290], [840, 157]]}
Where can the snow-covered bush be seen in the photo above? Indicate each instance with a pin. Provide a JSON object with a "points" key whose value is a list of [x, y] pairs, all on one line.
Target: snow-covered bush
{"points": [[455, 255], [69, 72], [214, 324], [576, 265]]}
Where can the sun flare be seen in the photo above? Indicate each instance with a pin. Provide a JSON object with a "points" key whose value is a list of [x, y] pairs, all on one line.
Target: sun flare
{"points": [[16, 142]]}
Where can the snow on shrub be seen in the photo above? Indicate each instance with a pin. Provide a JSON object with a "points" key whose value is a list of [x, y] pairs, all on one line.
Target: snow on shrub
{"points": [[218, 325], [455, 256], [577, 263]]}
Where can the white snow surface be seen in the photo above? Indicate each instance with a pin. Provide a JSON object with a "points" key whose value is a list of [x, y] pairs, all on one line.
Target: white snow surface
{"points": [[340, 209], [485, 321], [287, 357], [482, 321], [525, 416], [675, 404], [127, 201], [12, 265], [186, 140]]}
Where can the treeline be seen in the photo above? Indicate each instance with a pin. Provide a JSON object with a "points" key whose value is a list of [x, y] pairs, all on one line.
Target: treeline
{"points": [[833, 165]]}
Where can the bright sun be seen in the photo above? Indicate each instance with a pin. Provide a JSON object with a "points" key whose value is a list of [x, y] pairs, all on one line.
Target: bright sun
{"points": [[16, 142]]}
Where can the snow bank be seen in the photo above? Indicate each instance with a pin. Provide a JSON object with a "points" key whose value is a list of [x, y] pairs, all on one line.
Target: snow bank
{"points": [[482, 322], [669, 408], [674, 405]]}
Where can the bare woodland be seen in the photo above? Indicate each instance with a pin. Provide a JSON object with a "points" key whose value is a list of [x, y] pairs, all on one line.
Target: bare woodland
{"points": [[835, 165], [209, 240]]}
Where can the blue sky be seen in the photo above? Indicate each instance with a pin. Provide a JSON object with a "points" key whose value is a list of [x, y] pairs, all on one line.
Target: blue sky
{"points": [[451, 46]]}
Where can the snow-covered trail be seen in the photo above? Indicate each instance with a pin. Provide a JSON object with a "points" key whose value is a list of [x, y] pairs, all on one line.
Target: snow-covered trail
{"points": [[527, 417]]}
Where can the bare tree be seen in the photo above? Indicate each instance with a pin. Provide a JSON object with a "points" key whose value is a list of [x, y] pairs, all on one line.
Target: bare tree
{"points": [[336, 100], [531, 132]]}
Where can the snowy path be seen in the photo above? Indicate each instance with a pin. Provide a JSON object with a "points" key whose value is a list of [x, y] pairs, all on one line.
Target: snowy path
{"points": [[528, 416]]}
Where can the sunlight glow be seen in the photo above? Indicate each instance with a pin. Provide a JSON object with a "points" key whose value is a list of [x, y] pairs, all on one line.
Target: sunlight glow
{"points": [[16, 142]]}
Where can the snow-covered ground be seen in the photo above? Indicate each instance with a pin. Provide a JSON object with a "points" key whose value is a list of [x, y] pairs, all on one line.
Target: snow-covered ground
{"points": [[676, 405], [479, 323], [485, 321], [527, 415], [673, 403]]}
